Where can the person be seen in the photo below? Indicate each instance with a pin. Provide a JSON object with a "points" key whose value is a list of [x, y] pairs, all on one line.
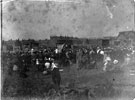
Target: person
{"points": [[47, 65], [55, 73], [107, 61], [127, 59], [56, 77]]}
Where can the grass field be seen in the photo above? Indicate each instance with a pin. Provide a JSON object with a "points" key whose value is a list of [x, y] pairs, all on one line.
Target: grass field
{"points": [[111, 85]]}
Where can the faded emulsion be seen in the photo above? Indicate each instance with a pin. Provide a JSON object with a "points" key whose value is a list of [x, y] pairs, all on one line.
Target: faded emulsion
{"points": [[68, 50]]}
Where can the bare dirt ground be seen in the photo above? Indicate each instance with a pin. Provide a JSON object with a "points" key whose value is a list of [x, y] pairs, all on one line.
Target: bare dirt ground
{"points": [[118, 84]]}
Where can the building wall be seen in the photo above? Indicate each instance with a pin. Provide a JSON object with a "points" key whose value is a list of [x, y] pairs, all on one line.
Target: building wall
{"points": [[126, 38], [80, 41]]}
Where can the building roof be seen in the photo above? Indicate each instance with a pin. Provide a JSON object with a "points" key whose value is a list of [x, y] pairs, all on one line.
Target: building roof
{"points": [[127, 34]]}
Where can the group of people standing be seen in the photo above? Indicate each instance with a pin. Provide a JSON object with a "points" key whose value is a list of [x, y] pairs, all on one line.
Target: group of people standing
{"points": [[49, 61], [103, 58]]}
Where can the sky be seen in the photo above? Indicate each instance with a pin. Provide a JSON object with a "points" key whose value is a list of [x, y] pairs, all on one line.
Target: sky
{"points": [[40, 19]]}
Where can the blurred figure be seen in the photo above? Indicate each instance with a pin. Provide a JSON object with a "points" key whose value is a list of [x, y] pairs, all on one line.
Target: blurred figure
{"points": [[56, 77], [107, 61], [127, 59]]}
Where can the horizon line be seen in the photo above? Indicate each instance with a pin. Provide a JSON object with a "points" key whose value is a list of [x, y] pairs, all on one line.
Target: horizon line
{"points": [[62, 36]]}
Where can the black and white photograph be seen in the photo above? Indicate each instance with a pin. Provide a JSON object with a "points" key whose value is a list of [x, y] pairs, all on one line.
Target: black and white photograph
{"points": [[67, 49]]}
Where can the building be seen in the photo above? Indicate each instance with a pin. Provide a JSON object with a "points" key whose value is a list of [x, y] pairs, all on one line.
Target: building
{"points": [[43, 43], [28, 44], [83, 42], [56, 40], [125, 39], [108, 41]]}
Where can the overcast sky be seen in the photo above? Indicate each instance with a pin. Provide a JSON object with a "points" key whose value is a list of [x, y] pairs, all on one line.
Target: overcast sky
{"points": [[79, 18]]}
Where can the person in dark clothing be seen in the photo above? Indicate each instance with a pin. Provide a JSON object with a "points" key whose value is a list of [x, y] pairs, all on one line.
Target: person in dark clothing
{"points": [[23, 66], [51, 68], [56, 77]]}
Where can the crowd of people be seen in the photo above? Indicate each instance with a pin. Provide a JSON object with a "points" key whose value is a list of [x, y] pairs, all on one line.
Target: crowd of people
{"points": [[84, 57], [49, 60], [104, 58]]}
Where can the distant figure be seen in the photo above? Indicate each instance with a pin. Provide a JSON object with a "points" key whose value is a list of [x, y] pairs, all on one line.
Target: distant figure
{"points": [[37, 62], [107, 60], [15, 67], [127, 59], [56, 77], [47, 69], [79, 59]]}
